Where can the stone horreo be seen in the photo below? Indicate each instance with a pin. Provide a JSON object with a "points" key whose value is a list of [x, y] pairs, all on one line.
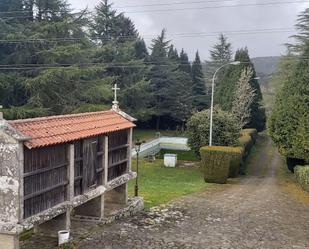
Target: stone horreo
{"points": [[54, 168]]}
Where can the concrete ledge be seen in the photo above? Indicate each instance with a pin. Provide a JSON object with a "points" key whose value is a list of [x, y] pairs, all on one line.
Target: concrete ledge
{"points": [[135, 205]]}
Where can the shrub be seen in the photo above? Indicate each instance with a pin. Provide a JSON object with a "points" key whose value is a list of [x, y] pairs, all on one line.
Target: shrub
{"points": [[251, 132], [236, 161], [247, 143], [293, 162], [302, 176], [216, 162], [225, 129]]}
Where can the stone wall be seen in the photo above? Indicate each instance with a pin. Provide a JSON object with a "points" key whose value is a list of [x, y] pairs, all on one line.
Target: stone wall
{"points": [[11, 158]]}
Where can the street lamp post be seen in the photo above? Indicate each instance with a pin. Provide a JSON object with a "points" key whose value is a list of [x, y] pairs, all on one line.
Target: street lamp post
{"points": [[212, 97], [138, 144]]}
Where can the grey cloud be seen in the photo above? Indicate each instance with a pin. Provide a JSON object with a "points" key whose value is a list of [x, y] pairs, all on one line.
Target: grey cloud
{"points": [[214, 20]]}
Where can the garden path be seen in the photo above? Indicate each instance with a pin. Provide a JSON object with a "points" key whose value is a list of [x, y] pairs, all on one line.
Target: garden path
{"points": [[254, 211]]}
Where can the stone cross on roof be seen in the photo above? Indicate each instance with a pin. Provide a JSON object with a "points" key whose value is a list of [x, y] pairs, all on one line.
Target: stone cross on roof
{"points": [[115, 102]]}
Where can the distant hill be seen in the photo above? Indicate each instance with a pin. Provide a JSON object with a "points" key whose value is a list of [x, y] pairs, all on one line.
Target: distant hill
{"points": [[265, 68], [266, 65]]}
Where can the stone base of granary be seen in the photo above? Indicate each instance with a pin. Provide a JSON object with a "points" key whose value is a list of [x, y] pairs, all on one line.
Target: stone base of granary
{"points": [[114, 212], [51, 227], [9, 241]]}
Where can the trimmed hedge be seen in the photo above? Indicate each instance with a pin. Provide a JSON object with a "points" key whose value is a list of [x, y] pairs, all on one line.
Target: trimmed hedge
{"points": [[236, 161], [251, 132], [247, 143], [219, 162], [302, 176]]}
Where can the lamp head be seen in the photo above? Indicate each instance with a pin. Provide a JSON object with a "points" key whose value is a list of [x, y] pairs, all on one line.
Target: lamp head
{"points": [[235, 63]]}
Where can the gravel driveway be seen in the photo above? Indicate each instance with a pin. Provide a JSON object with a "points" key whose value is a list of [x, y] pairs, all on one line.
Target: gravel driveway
{"points": [[250, 212]]}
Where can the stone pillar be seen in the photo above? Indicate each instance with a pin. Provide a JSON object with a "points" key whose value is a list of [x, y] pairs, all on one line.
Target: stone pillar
{"points": [[118, 195], [93, 208], [9, 241], [51, 227], [11, 175], [71, 172]]}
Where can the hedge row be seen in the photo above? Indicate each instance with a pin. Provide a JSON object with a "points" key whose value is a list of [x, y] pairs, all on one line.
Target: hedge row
{"points": [[302, 176], [219, 163], [250, 132]]}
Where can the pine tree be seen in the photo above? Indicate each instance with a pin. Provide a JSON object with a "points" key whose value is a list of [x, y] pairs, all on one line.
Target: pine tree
{"points": [[173, 54], [141, 51], [159, 48], [51, 9], [222, 51], [198, 90], [185, 65]]}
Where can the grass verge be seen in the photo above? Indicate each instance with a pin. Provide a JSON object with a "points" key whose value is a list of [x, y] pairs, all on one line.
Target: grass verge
{"points": [[181, 155], [159, 185], [289, 184]]}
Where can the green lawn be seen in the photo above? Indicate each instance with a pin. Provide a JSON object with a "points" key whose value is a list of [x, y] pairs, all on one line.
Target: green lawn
{"points": [[159, 185], [181, 155], [145, 134]]}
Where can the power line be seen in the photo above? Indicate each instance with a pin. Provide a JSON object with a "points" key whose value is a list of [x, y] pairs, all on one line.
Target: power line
{"points": [[187, 8], [146, 37], [169, 4], [115, 65], [131, 6], [216, 7]]}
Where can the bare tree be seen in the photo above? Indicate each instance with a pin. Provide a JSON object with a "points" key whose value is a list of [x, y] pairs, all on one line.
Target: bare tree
{"points": [[244, 97]]}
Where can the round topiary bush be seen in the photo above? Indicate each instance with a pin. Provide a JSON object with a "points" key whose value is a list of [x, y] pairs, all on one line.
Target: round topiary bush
{"points": [[225, 129]]}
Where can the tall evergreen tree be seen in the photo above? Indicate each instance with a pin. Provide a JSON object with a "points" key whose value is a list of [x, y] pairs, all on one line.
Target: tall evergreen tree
{"points": [[173, 54], [198, 90], [185, 65], [159, 47], [226, 88], [222, 51], [289, 121]]}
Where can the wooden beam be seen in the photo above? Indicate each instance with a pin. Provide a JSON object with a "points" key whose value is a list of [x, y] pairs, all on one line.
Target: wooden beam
{"points": [[105, 179], [71, 173], [130, 141]]}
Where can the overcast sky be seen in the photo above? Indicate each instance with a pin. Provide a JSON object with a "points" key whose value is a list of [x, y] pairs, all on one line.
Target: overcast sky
{"points": [[204, 16]]}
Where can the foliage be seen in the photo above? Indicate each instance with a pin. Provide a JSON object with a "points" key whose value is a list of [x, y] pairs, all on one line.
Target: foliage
{"points": [[170, 84], [225, 129], [226, 88], [159, 185], [289, 120], [198, 89], [247, 143], [251, 132], [69, 245], [302, 176], [302, 38], [243, 98], [216, 162], [236, 163], [222, 51]]}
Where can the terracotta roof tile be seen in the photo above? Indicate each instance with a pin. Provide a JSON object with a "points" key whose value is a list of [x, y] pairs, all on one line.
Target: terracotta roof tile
{"points": [[67, 128]]}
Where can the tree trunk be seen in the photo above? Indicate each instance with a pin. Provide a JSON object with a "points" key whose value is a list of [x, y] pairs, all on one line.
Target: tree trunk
{"points": [[158, 123]]}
